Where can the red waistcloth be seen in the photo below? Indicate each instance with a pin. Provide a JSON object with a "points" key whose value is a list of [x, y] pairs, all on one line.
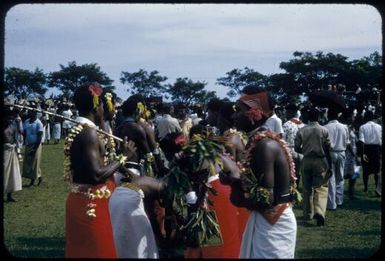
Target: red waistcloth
{"points": [[88, 237], [228, 222]]}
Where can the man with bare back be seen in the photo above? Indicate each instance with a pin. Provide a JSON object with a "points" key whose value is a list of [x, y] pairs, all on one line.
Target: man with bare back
{"points": [[89, 173], [264, 184]]}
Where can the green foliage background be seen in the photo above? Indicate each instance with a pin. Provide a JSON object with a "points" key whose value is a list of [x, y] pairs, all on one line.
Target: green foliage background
{"points": [[34, 225]]}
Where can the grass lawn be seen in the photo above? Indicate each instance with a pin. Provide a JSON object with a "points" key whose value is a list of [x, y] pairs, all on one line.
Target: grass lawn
{"points": [[34, 225]]}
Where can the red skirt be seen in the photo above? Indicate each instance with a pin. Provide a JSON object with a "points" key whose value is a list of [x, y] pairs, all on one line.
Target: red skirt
{"points": [[227, 215], [88, 237]]}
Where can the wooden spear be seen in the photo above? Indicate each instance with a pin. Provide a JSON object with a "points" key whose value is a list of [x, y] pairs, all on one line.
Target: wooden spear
{"points": [[61, 117]]}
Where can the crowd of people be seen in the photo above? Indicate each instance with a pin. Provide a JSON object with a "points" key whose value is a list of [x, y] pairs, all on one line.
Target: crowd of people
{"points": [[146, 180]]}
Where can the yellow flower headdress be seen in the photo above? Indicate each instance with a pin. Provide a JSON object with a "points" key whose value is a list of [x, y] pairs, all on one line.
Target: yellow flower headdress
{"points": [[110, 105], [142, 110], [96, 91]]}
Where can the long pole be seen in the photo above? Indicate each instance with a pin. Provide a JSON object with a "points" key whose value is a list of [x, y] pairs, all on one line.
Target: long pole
{"points": [[61, 117]]}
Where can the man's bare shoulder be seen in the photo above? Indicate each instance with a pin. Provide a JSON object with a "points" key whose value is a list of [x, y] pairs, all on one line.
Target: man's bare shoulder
{"points": [[267, 145], [88, 135]]}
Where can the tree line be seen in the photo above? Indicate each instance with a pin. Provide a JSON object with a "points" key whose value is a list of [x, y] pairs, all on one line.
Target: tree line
{"points": [[304, 73]]}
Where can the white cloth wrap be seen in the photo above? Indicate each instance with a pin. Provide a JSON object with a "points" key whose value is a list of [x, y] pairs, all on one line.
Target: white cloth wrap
{"points": [[262, 240], [11, 175], [56, 131], [132, 231]]}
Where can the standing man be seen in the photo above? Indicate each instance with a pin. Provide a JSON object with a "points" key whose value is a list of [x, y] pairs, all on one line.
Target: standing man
{"points": [[166, 128], [33, 132], [135, 132], [273, 122], [88, 230], [167, 124], [66, 124], [213, 107], [370, 151], [11, 174], [19, 138], [339, 140], [290, 129], [313, 142], [272, 228]]}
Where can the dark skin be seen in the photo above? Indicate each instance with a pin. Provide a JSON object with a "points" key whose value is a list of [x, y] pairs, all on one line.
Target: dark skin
{"points": [[136, 133], [150, 135], [9, 132], [268, 163], [237, 147], [152, 188], [87, 153]]}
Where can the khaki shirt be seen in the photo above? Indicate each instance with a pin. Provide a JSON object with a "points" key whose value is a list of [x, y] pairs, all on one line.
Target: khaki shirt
{"points": [[311, 139]]}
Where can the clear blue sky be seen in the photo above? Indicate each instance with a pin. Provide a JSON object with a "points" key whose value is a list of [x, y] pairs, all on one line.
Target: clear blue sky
{"points": [[198, 41]]}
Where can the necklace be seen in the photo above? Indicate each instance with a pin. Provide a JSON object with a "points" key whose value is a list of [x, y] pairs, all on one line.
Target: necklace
{"points": [[268, 134], [73, 188], [259, 193]]}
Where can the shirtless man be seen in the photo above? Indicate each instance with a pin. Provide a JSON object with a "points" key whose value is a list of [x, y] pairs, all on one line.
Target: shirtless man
{"points": [[272, 227], [135, 132], [88, 227]]}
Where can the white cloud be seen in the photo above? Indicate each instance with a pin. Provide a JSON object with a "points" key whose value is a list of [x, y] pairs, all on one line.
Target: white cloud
{"points": [[200, 41]]}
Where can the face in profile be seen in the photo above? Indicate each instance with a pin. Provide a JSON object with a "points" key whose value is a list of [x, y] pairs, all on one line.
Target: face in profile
{"points": [[242, 122]]}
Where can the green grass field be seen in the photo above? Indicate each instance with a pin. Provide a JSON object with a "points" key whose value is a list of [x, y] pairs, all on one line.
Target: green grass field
{"points": [[34, 225]]}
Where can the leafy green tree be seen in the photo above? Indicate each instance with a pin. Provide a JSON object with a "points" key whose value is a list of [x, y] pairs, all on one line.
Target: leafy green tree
{"points": [[312, 72], [24, 83], [307, 72], [72, 76], [367, 71], [283, 88], [236, 79], [186, 91], [147, 84]]}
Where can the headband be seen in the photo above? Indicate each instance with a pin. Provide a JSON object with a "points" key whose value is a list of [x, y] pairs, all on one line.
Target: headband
{"points": [[259, 106], [258, 100]]}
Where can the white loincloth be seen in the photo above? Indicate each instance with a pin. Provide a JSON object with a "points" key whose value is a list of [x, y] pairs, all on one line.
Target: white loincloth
{"points": [[133, 234], [262, 240]]}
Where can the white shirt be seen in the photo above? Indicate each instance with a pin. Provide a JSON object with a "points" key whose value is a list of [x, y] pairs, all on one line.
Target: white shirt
{"points": [[290, 130], [32, 130], [338, 134], [370, 133], [166, 125], [67, 124], [274, 124]]}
